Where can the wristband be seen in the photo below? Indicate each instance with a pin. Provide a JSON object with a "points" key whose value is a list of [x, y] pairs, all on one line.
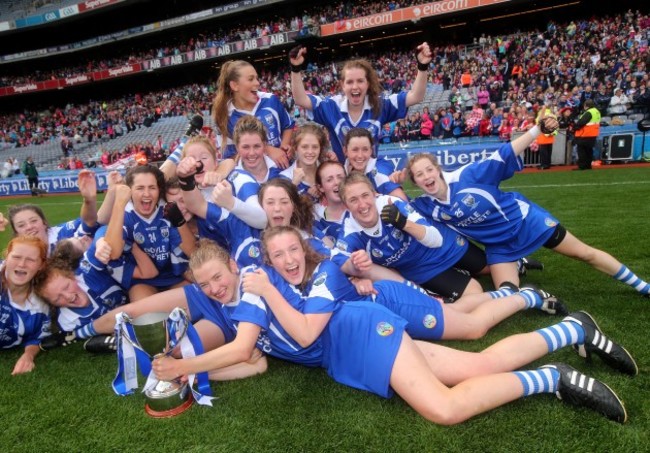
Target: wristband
{"points": [[534, 131], [297, 68], [422, 66]]}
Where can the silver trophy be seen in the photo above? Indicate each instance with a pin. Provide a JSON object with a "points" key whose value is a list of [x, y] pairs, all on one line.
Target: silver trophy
{"points": [[157, 335]]}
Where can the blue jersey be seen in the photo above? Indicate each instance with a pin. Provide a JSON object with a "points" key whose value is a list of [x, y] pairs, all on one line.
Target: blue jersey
{"points": [[272, 170], [104, 294], [303, 187], [241, 240], [332, 112], [22, 325], [158, 239], [328, 228], [120, 269], [202, 307], [378, 172], [274, 339], [391, 247], [507, 223], [270, 111], [70, 229]]}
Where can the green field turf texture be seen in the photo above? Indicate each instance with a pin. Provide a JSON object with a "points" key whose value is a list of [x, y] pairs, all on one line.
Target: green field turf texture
{"points": [[67, 404]]}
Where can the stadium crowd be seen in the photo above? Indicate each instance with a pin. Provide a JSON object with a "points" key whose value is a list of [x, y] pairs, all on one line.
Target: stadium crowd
{"points": [[495, 83]]}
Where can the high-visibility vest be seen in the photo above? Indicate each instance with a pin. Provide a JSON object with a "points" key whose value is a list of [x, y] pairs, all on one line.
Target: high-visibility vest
{"points": [[592, 128], [466, 79]]}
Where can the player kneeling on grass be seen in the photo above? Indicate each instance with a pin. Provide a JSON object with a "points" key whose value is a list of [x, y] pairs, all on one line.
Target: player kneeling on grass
{"points": [[364, 345]]}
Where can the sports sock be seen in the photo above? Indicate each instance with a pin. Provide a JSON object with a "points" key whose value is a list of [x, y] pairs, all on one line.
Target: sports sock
{"points": [[533, 300], [629, 278], [86, 331], [562, 334], [503, 291], [542, 380]]}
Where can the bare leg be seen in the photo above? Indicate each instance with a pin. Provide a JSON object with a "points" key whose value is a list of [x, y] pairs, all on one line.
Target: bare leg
{"points": [[414, 381], [141, 291], [475, 324], [256, 365], [504, 272], [165, 301], [509, 354], [469, 302], [473, 287], [575, 248]]}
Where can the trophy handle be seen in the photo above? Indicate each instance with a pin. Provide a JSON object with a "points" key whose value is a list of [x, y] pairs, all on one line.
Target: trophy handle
{"points": [[126, 335], [177, 325]]}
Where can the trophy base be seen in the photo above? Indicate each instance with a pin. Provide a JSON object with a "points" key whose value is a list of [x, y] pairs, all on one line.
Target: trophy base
{"points": [[168, 399], [169, 412]]}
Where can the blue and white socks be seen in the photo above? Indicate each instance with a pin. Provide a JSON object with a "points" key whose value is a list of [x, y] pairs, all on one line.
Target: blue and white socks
{"points": [[542, 380], [629, 278]]}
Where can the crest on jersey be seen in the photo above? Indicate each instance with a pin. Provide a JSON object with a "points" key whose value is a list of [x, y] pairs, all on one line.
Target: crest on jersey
{"points": [[345, 130], [84, 265], [164, 231], [445, 216], [70, 224], [374, 172], [139, 238], [429, 321], [409, 208], [385, 329], [269, 119], [233, 175], [253, 252], [320, 279], [397, 234], [550, 222], [377, 253], [470, 201], [341, 244], [460, 241]]}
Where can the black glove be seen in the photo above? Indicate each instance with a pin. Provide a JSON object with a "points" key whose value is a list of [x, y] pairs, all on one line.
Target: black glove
{"points": [[543, 126], [188, 183], [421, 66], [391, 215], [172, 213]]}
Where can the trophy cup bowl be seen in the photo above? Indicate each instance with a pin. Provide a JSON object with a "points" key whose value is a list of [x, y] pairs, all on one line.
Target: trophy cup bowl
{"points": [[167, 398]]}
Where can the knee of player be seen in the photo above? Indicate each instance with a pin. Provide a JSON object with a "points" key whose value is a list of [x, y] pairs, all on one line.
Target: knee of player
{"points": [[442, 414]]}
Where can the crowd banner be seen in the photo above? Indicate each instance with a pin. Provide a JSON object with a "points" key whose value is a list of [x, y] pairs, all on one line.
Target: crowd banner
{"points": [[412, 13], [60, 182]]}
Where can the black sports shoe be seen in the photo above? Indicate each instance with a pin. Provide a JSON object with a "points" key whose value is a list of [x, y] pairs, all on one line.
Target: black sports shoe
{"points": [[610, 352], [550, 304], [101, 344], [532, 264], [579, 389], [57, 339]]}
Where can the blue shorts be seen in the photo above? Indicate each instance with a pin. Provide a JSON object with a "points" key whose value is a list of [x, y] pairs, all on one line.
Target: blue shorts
{"points": [[422, 312], [360, 345], [161, 282]]}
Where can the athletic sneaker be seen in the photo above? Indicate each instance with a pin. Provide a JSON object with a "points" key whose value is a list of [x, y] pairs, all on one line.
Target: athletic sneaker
{"points": [[528, 264], [550, 304], [101, 344], [57, 339], [579, 389], [610, 352]]}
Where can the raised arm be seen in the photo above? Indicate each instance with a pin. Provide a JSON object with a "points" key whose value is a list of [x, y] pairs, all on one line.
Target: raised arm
{"points": [[114, 232], [297, 59], [104, 214], [88, 189], [546, 125], [194, 201], [419, 87]]}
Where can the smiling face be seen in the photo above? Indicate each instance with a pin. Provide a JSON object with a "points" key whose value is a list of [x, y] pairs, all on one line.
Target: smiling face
{"points": [[360, 201], [427, 177], [62, 291], [287, 256], [358, 151], [250, 148], [331, 177], [308, 150], [145, 194], [23, 261], [217, 280], [355, 86], [29, 223], [278, 206], [201, 154], [245, 88]]}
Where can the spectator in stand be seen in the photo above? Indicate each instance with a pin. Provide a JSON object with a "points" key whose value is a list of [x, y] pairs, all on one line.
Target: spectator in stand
{"points": [[426, 126], [587, 129], [30, 171], [619, 103], [483, 96]]}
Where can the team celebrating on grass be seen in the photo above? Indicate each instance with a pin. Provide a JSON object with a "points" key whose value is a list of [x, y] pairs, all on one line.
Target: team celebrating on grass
{"points": [[301, 244]]}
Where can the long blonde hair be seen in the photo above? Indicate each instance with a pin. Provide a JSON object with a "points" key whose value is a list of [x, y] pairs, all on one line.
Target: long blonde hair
{"points": [[230, 72]]}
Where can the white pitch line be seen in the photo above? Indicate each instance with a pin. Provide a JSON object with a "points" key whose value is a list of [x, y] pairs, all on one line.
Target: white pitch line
{"points": [[585, 184]]}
